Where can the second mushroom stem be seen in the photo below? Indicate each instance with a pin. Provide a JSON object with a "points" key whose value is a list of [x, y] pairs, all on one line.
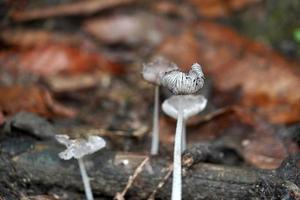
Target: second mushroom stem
{"points": [[183, 138], [176, 185], [86, 181], [155, 131]]}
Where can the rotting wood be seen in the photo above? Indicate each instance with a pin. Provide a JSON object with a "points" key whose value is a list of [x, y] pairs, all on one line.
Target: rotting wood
{"points": [[201, 181]]}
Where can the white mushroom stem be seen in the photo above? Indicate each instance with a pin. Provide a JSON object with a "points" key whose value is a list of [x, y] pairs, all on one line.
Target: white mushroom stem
{"points": [[183, 138], [155, 131], [176, 185], [86, 181]]}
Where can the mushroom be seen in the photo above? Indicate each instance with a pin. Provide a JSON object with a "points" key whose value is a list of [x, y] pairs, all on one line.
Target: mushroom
{"points": [[180, 83], [189, 104], [180, 107], [153, 72], [78, 149]]}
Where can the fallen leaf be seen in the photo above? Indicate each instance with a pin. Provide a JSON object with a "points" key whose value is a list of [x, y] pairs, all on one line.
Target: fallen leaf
{"points": [[56, 59], [182, 49], [278, 110], [28, 38], [63, 83], [264, 149], [14, 99], [130, 29], [74, 8], [220, 8]]}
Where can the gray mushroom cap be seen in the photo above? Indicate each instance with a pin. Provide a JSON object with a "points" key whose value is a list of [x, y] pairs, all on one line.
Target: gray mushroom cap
{"points": [[190, 104], [79, 147], [153, 71], [181, 83]]}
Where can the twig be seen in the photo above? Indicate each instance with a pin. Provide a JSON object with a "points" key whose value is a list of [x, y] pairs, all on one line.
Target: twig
{"points": [[138, 170], [161, 183]]}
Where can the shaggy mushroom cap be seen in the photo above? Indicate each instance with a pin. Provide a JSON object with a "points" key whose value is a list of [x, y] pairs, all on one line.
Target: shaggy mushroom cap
{"points": [[190, 104], [79, 147], [153, 71], [181, 83]]}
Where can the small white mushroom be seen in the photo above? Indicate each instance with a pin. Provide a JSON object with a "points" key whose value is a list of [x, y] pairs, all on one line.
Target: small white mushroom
{"points": [[78, 149], [153, 73], [180, 83], [190, 104], [182, 107]]}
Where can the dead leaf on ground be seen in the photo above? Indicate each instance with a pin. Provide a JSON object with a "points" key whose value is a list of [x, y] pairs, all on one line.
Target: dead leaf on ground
{"points": [[265, 149], [56, 59], [220, 8], [68, 9], [14, 99], [130, 29], [63, 83], [27, 38], [183, 49]]}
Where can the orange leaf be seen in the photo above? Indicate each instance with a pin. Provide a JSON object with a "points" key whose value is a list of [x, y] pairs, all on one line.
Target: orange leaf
{"points": [[14, 99], [57, 59]]}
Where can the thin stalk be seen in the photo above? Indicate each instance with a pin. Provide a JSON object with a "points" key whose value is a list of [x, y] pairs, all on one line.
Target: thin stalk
{"points": [[183, 138], [155, 131], [86, 181], [176, 185]]}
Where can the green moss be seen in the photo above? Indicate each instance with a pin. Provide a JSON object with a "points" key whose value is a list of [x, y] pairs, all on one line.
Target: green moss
{"points": [[297, 35]]}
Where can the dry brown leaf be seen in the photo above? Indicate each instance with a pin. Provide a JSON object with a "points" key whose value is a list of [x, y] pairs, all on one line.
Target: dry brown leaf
{"points": [[62, 83], [265, 150], [276, 109], [27, 38], [56, 59], [134, 29], [183, 49], [220, 8], [75, 8], [14, 99]]}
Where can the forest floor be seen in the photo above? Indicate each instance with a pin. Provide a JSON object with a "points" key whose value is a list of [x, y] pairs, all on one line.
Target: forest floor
{"points": [[74, 67]]}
